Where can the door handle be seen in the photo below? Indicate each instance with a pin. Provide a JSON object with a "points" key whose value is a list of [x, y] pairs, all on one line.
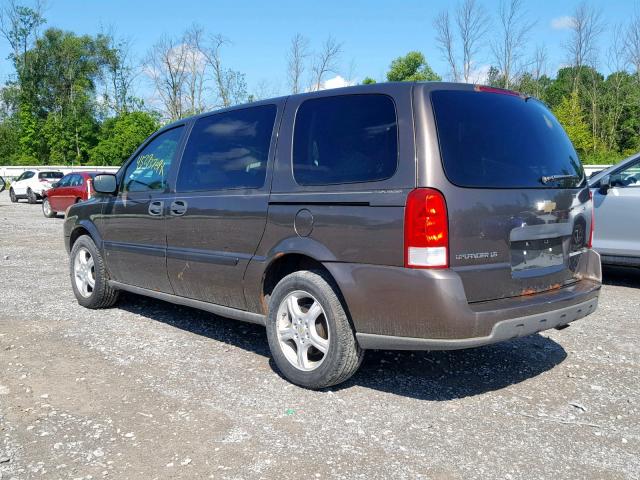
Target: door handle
{"points": [[178, 207], [156, 207]]}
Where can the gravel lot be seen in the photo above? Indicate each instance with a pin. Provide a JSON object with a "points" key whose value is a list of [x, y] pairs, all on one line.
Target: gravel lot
{"points": [[151, 390]]}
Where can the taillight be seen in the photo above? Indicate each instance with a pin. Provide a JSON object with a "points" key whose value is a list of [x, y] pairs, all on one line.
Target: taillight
{"points": [[89, 193], [593, 220], [426, 230]]}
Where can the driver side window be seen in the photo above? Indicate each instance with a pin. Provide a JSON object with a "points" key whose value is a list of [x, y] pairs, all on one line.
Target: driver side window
{"points": [[149, 170], [628, 177]]}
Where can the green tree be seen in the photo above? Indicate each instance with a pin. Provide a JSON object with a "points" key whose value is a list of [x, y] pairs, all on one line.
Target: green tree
{"points": [[368, 81], [120, 136], [410, 68], [570, 114]]}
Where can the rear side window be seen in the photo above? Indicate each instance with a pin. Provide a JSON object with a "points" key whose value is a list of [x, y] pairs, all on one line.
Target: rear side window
{"points": [[76, 181], [345, 139], [502, 141], [228, 150], [50, 175], [28, 175]]}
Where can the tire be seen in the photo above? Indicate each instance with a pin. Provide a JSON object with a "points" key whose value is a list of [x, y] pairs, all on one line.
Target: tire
{"points": [[330, 330], [100, 295], [46, 208], [12, 196], [31, 197]]}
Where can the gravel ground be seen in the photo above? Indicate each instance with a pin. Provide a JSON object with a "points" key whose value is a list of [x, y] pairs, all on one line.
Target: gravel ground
{"points": [[151, 390]]}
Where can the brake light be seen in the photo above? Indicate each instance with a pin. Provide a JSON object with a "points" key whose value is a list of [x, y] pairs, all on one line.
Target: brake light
{"points": [[89, 190], [426, 230], [593, 220], [500, 91]]}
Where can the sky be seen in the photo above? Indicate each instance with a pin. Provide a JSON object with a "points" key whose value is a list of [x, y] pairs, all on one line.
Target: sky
{"points": [[372, 32]]}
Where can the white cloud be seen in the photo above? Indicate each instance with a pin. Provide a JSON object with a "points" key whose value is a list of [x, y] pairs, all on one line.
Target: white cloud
{"points": [[335, 82], [562, 23]]}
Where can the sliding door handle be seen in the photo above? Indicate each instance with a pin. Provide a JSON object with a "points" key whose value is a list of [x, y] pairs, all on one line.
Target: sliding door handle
{"points": [[178, 207]]}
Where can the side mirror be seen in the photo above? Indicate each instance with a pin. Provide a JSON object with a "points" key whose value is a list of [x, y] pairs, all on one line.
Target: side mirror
{"points": [[605, 184], [105, 183], [3, 185]]}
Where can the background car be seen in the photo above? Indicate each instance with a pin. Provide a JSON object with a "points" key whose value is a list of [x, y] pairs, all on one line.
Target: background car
{"points": [[32, 184], [616, 195], [72, 188]]}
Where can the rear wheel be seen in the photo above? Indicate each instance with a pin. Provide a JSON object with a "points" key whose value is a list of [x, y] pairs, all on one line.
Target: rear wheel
{"points": [[12, 196], [309, 333], [89, 275], [46, 208], [31, 196]]}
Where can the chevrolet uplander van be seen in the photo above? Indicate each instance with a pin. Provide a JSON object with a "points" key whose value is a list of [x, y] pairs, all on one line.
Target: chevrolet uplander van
{"points": [[418, 216]]}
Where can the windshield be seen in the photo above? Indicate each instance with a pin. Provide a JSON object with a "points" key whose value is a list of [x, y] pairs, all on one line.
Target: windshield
{"points": [[490, 140], [51, 175]]}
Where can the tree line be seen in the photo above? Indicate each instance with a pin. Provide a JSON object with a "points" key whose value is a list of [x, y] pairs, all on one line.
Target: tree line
{"points": [[75, 99]]}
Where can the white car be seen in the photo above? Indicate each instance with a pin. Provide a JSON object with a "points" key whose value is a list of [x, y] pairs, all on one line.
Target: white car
{"points": [[32, 184]]}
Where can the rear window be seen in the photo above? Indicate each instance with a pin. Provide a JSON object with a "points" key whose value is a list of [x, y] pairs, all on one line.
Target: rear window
{"points": [[345, 139], [50, 175], [502, 141]]}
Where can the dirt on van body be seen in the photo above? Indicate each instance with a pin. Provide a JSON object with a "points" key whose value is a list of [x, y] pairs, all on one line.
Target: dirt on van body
{"points": [[151, 390]]}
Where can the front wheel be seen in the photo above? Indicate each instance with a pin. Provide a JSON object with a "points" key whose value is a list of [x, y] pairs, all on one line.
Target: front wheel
{"points": [[89, 275], [12, 196], [46, 208], [309, 333], [32, 197]]}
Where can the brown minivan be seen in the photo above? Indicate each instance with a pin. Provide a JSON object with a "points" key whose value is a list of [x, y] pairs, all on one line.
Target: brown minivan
{"points": [[422, 216]]}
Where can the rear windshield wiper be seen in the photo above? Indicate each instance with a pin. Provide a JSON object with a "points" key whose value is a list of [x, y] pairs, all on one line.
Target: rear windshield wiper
{"points": [[555, 178]]}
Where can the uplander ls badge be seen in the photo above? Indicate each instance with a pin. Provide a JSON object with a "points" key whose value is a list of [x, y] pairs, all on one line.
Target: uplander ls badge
{"points": [[476, 256]]}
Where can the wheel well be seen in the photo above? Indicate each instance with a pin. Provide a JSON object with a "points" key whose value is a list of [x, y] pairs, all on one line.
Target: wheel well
{"points": [[283, 266], [77, 233]]}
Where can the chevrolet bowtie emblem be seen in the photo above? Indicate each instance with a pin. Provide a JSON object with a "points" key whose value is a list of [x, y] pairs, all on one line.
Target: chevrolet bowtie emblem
{"points": [[547, 206]]}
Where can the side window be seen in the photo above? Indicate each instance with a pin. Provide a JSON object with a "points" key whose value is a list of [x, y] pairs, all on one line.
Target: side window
{"points": [[28, 175], [20, 177], [228, 150], [149, 170], [345, 139], [628, 177]]}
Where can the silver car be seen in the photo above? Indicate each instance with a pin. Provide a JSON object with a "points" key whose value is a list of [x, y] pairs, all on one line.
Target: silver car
{"points": [[616, 195]]}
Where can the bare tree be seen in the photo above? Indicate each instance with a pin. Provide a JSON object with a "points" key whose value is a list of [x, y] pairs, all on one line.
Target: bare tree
{"points": [[509, 48], [196, 68], [632, 41], [445, 42], [230, 84], [298, 55], [473, 23], [586, 27], [166, 66], [618, 101], [325, 62], [118, 73]]}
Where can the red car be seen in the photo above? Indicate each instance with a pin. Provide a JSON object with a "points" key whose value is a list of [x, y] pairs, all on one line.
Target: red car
{"points": [[72, 188]]}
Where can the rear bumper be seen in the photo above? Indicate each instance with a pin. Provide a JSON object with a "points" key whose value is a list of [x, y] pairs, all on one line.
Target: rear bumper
{"points": [[399, 308], [504, 330]]}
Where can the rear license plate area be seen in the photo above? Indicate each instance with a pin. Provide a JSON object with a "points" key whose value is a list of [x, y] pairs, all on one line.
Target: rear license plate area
{"points": [[531, 255]]}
